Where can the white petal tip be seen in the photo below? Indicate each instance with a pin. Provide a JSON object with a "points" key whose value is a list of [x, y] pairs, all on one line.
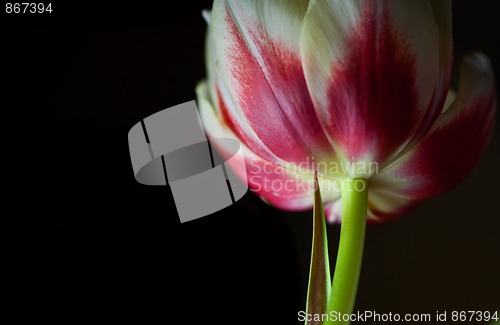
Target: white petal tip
{"points": [[477, 60], [206, 15]]}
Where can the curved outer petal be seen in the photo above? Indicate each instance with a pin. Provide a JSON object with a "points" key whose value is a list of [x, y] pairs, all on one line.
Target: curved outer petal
{"points": [[210, 61], [218, 94], [442, 18], [280, 185], [371, 67], [258, 57], [447, 154]]}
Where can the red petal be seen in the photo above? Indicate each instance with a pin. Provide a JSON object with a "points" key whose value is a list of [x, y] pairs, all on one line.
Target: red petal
{"points": [[263, 75], [372, 67], [373, 97], [447, 154]]}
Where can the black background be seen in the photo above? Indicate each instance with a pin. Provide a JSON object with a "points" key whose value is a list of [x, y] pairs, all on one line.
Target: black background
{"points": [[83, 240]]}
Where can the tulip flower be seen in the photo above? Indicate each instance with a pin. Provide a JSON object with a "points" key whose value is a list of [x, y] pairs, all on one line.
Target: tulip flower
{"points": [[357, 91]]}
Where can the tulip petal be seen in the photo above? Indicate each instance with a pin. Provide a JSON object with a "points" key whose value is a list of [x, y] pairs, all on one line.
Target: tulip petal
{"points": [[238, 124], [257, 49], [371, 68], [218, 94], [210, 61], [382, 207], [447, 154], [333, 211], [442, 17], [281, 185]]}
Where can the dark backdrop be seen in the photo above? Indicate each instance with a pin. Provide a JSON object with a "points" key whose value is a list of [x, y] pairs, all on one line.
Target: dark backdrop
{"points": [[84, 240]]}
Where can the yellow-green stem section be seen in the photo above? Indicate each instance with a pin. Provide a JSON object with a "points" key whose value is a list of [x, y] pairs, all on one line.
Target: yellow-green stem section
{"points": [[350, 253]]}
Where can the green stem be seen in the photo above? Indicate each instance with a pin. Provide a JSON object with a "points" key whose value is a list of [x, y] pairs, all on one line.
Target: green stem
{"points": [[350, 253]]}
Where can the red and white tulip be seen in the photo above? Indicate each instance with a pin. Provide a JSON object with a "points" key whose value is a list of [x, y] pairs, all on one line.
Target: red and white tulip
{"points": [[358, 88]]}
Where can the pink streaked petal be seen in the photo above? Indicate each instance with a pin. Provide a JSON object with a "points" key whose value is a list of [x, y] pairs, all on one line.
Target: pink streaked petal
{"points": [[258, 52], [447, 154], [240, 127], [371, 67], [218, 95]]}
